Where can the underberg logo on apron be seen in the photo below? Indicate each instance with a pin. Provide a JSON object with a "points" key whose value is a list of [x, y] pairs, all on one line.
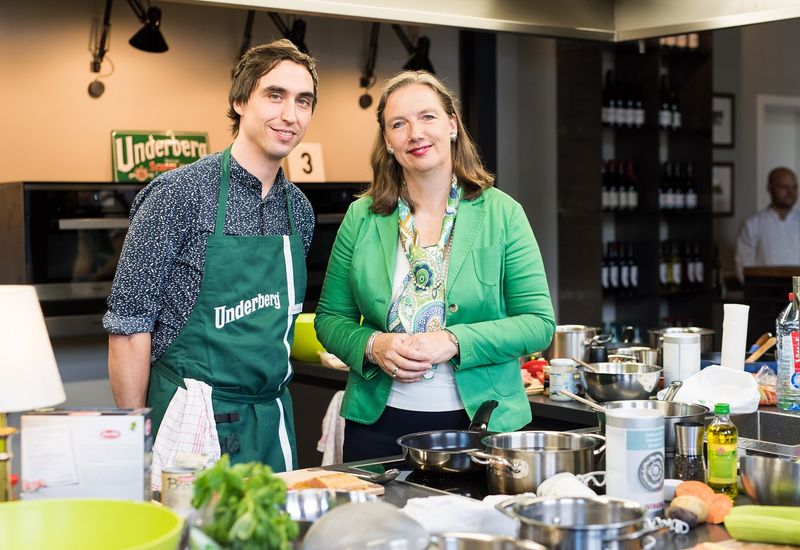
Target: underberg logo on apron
{"points": [[224, 315]]}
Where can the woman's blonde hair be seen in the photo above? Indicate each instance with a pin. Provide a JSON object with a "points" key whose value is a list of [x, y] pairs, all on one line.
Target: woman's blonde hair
{"points": [[387, 174]]}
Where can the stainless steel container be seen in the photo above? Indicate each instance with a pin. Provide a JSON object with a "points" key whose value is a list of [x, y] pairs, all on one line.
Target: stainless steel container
{"points": [[656, 338], [571, 341], [517, 462], [674, 412], [569, 523], [615, 381], [640, 354]]}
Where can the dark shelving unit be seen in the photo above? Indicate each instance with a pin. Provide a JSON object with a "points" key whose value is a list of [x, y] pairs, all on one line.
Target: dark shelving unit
{"points": [[584, 142]]}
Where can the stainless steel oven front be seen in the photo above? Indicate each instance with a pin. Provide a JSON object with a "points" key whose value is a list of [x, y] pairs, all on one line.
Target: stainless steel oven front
{"points": [[65, 239]]}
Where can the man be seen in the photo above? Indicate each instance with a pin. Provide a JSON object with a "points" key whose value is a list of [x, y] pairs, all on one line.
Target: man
{"points": [[772, 236], [212, 273]]}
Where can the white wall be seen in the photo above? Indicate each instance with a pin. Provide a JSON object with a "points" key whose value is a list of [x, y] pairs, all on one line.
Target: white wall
{"points": [[748, 61], [55, 131]]}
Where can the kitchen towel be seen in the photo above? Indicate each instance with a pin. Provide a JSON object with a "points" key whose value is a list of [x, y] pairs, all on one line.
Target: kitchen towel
{"points": [[734, 335], [188, 427], [332, 440], [716, 384]]}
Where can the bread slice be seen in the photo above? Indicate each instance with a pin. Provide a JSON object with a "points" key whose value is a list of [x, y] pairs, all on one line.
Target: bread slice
{"points": [[333, 480]]}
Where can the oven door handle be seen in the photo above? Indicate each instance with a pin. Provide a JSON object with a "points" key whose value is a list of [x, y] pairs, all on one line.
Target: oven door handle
{"points": [[330, 218], [93, 223]]}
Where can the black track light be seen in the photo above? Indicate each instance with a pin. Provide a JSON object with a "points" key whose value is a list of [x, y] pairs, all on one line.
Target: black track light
{"points": [[419, 53], [296, 35], [149, 38]]}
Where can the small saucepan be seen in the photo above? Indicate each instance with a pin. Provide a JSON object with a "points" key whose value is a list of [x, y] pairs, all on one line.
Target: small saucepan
{"points": [[446, 451]]}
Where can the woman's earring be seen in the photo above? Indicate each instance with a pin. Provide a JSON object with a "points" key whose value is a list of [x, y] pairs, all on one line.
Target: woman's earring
{"points": [[391, 151], [453, 136]]}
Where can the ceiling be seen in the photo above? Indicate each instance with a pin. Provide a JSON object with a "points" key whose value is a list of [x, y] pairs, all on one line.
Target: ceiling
{"points": [[604, 20]]}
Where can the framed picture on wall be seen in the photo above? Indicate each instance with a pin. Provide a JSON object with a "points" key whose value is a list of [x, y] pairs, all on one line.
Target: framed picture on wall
{"points": [[722, 189], [722, 115]]}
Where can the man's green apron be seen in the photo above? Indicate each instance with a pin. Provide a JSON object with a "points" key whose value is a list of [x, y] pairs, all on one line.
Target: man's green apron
{"points": [[238, 337]]}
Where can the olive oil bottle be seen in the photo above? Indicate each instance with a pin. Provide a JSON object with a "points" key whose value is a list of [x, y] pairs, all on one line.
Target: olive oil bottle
{"points": [[721, 438]]}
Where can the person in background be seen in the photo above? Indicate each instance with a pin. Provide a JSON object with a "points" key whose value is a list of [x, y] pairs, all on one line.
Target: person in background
{"points": [[212, 273], [772, 236], [445, 271]]}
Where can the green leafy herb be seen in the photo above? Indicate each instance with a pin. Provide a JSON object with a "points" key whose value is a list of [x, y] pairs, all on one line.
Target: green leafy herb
{"points": [[245, 502]]}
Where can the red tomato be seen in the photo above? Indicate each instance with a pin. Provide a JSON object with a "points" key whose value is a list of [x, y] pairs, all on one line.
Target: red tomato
{"points": [[540, 377]]}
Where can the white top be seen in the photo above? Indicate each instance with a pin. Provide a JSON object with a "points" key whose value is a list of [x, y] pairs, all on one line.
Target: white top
{"points": [[765, 239], [435, 395]]}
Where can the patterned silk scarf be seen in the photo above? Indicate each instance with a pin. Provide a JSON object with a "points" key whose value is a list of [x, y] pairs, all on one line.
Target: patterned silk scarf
{"points": [[420, 305]]}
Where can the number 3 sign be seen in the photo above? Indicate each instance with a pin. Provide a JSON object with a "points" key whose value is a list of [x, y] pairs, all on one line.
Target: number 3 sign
{"points": [[305, 163]]}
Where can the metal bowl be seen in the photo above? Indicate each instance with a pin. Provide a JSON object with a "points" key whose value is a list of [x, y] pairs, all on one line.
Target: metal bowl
{"points": [[773, 481], [305, 506], [622, 381]]}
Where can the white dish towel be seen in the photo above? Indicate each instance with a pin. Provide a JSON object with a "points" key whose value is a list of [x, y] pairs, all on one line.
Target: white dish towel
{"points": [[332, 440], [188, 427]]}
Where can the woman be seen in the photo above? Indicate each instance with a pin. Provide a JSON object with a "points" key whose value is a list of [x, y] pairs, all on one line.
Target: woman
{"points": [[446, 274]]}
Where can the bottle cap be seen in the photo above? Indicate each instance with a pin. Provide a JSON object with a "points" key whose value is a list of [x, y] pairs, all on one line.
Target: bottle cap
{"points": [[722, 408]]}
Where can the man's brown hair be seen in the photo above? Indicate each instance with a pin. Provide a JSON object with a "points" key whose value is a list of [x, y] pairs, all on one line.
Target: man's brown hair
{"points": [[257, 62]]}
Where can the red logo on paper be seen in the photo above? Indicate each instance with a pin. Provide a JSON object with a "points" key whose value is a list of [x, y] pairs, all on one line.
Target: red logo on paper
{"points": [[110, 434]]}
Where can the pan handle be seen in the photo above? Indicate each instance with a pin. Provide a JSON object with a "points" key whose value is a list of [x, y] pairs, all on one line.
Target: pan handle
{"points": [[645, 531], [600, 449], [515, 467], [481, 419]]}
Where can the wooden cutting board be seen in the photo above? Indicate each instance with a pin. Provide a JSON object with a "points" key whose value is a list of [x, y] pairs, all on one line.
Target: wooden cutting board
{"points": [[348, 483]]}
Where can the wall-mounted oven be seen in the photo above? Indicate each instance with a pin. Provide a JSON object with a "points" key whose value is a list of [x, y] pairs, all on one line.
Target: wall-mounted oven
{"points": [[65, 239], [330, 201]]}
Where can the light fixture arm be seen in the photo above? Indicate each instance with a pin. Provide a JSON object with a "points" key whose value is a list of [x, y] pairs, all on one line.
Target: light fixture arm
{"points": [[401, 34], [138, 9], [102, 45], [279, 23], [369, 70], [248, 32]]}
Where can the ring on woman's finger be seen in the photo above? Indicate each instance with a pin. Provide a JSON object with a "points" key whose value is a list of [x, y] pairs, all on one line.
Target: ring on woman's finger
{"points": [[394, 372]]}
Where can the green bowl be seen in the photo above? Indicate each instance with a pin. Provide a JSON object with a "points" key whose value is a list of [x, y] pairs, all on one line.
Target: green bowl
{"points": [[88, 524], [306, 346]]}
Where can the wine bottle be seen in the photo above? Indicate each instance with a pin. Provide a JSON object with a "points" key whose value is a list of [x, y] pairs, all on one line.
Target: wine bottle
{"points": [[604, 184], [678, 191], [604, 282], [676, 267], [607, 110], [691, 192], [677, 117], [624, 268], [633, 269], [633, 187], [613, 266], [613, 185], [664, 111], [663, 266]]}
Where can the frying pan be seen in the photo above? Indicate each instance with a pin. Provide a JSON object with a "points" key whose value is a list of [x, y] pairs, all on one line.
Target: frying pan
{"points": [[445, 451]]}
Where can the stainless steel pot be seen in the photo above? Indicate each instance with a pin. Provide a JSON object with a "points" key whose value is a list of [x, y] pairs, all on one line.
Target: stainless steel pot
{"points": [[573, 341], [445, 451], [568, 523], [478, 541], [674, 412], [640, 354], [517, 462], [656, 337]]}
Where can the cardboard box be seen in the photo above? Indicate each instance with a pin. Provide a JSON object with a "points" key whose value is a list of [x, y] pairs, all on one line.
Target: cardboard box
{"points": [[95, 453]]}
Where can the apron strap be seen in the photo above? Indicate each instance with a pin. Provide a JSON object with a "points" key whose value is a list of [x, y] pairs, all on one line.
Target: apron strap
{"points": [[223, 395], [224, 187]]}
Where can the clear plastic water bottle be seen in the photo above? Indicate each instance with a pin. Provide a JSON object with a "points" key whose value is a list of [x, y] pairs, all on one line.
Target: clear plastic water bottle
{"points": [[787, 329]]}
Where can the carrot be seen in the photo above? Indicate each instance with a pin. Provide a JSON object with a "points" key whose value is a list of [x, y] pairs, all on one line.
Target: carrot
{"points": [[718, 507], [696, 489]]}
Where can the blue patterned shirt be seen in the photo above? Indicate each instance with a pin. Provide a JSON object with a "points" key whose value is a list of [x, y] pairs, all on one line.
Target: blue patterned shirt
{"points": [[161, 266]]}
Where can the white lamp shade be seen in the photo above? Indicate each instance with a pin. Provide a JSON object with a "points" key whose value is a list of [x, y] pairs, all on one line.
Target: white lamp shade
{"points": [[29, 377]]}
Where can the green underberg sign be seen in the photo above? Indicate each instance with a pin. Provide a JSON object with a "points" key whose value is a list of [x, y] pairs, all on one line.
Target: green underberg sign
{"points": [[141, 156]]}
